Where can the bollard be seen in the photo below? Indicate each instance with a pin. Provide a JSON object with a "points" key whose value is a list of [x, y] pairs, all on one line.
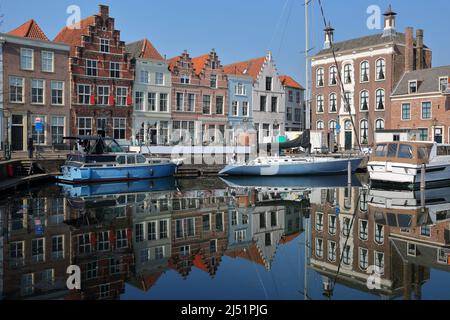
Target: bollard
{"points": [[422, 177]]}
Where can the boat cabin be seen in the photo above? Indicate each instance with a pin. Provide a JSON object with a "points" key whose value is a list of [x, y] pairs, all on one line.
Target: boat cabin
{"points": [[409, 152]]}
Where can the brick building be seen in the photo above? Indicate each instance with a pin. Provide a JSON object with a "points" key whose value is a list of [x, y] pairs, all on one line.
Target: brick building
{"points": [[370, 67], [199, 99], [295, 104], [34, 84], [421, 104], [102, 78]]}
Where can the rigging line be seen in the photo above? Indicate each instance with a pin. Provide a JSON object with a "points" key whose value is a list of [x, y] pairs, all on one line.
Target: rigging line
{"points": [[347, 102], [257, 272], [283, 34], [278, 24]]}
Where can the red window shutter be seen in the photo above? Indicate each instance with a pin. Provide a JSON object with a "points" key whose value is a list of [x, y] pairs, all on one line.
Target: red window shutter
{"points": [[92, 101], [129, 100], [112, 237], [129, 235], [93, 239], [111, 100]]}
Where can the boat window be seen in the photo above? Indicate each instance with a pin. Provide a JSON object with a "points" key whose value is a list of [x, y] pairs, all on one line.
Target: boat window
{"points": [[392, 150], [405, 152], [140, 159], [121, 160], [131, 159], [423, 153], [380, 151], [443, 151]]}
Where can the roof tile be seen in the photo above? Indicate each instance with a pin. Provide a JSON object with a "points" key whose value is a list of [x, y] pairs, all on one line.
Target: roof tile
{"points": [[251, 68], [29, 29], [288, 81]]}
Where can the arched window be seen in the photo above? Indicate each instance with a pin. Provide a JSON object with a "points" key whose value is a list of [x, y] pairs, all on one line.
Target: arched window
{"points": [[364, 101], [320, 125], [348, 73], [380, 99], [364, 134], [365, 71], [333, 102], [379, 124], [348, 101], [381, 69], [319, 103], [320, 77], [332, 126], [333, 75]]}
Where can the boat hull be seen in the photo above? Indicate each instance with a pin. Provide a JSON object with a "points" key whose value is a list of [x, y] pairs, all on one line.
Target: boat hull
{"points": [[408, 176], [293, 169], [73, 174]]}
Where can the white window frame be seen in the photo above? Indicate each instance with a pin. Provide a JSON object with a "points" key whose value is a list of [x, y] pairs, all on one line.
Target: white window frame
{"points": [[320, 76], [361, 72], [376, 99], [121, 127], [84, 95], [16, 80], [101, 97], [58, 125], [401, 111], [41, 81], [121, 97], [105, 43], [421, 110], [163, 101], [90, 63], [245, 107], [383, 68], [55, 82], [235, 108], [139, 103], [409, 86], [159, 79], [152, 102], [84, 127], [333, 70], [144, 77], [23, 56], [333, 94], [114, 71], [44, 61]]}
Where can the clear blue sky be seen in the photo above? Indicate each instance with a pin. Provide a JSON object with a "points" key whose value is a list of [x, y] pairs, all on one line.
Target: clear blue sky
{"points": [[239, 29]]}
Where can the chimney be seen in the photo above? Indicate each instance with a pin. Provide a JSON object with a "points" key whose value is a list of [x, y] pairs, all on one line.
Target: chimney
{"points": [[104, 10], [329, 36], [409, 50], [419, 49], [389, 22], [269, 56]]}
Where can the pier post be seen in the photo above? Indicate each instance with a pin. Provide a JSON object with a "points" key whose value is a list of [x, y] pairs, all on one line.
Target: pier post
{"points": [[422, 186]]}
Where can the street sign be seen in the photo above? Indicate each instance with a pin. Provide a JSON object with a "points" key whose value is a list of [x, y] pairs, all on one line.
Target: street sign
{"points": [[39, 230], [39, 125], [338, 211]]}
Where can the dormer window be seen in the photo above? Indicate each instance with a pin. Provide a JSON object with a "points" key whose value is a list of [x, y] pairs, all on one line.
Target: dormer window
{"points": [[348, 73], [412, 87], [333, 76], [381, 69], [320, 77], [185, 79], [213, 81], [443, 84], [213, 65]]}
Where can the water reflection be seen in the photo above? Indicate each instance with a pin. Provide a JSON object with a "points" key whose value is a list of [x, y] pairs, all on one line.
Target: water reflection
{"points": [[134, 235]]}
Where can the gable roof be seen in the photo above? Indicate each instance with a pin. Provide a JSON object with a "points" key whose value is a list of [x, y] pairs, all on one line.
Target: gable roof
{"points": [[143, 49], [366, 41], [251, 68], [29, 29], [173, 62], [288, 81], [428, 80], [199, 63], [72, 36]]}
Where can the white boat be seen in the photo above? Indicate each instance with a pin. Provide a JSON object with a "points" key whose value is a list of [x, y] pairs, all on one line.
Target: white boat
{"points": [[401, 164], [292, 166]]}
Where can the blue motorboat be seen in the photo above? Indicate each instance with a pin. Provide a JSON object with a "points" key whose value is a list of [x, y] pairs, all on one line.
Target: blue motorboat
{"points": [[292, 166], [100, 159]]}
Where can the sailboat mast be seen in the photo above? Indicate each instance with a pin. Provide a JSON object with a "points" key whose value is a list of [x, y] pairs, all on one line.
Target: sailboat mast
{"points": [[308, 106]]}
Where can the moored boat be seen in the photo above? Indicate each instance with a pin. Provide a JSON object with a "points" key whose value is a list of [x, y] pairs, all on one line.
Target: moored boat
{"points": [[102, 159], [400, 164], [292, 166]]}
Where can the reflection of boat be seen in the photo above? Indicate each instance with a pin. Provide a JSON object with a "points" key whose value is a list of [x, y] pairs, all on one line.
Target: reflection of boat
{"points": [[292, 166], [401, 163], [102, 159], [104, 189], [404, 208], [281, 183]]}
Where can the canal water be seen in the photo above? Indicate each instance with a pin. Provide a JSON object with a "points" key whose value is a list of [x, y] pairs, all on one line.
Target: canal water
{"points": [[236, 239]]}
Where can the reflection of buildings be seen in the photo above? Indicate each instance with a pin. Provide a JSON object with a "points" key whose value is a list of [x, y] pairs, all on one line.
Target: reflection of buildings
{"points": [[259, 222], [200, 234], [351, 246], [101, 241], [152, 238], [2, 217], [37, 248]]}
